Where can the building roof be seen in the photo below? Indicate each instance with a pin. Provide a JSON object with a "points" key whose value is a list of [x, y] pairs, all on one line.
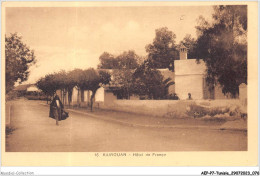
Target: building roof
{"points": [[23, 87], [32, 88]]}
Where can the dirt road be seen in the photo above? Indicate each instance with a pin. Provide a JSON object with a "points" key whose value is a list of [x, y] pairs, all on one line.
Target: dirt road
{"points": [[36, 132]]}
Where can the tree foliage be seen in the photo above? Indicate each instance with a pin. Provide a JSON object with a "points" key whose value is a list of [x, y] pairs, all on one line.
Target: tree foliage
{"points": [[123, 81], [162, 52], [133, 74], [190, 43], [126, 60], [48, 85], [123, 67], [223, 47], [19, 58], [108, 61], [149, 83], [92, 80], [88, 79]]}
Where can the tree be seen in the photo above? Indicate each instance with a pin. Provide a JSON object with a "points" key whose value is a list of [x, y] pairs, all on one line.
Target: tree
{"points": [[128, 60], [223, 47], [76, 78], [122, 77], [150, 83], [71, 82], [92, 80], [123, 81], [18, 60], [48, 85], [162, 52], [165, 87], [123, 67], [88, 79], [190, 43], [107, 61], [62, 82]]}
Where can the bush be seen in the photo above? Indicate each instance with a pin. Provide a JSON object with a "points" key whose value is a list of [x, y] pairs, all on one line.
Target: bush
{"points": [[173, 96], [8, 130], [217, 110], [11, 95], [36, 97], [234, 111], [196, 111]]}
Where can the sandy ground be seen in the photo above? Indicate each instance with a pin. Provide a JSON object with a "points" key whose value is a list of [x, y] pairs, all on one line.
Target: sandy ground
{"points": [[36, 132]]}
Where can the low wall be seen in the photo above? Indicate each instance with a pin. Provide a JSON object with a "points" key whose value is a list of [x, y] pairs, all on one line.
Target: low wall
{"points": [[162, 107]]}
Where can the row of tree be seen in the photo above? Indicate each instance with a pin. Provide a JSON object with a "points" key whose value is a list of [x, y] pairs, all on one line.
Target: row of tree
{"points": [[82, 80]]}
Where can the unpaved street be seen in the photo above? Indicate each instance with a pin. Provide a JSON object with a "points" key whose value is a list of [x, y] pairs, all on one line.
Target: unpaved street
{"points": [[36, 132]]}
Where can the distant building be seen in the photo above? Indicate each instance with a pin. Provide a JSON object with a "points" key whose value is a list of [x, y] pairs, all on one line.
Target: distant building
{"points": [[32, 88], [26, 88]]}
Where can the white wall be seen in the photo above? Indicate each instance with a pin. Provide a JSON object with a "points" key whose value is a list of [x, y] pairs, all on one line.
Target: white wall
{"points": [[189, 67], [109, 98], [87, 95], [192, 84], [189, 76], [162, 107], [74, 96], [100, 94]]}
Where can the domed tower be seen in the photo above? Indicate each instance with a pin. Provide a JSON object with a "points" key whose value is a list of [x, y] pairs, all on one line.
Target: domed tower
{"points": [[183, 52]]}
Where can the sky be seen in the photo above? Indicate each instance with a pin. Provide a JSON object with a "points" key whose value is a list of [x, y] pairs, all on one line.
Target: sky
{"points": [[75, 37]]}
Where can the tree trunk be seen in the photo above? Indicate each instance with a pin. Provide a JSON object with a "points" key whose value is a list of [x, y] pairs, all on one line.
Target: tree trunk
{"points": [[128, 94], [82, 95], [91, 99], [78, 97], [69, 96], [64, 96]]}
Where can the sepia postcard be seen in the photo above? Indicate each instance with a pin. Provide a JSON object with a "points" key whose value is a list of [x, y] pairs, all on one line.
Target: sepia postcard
{"points": [[129, 84]]}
